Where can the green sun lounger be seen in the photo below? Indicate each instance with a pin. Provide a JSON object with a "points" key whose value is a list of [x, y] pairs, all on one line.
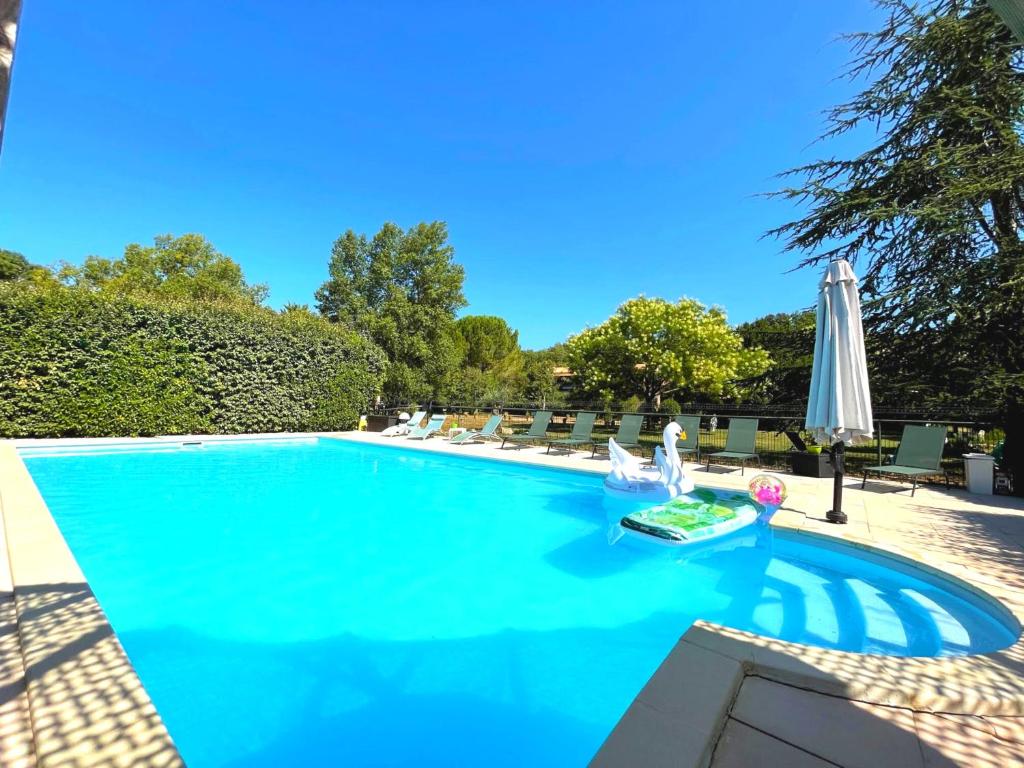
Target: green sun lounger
{"points": [[433, 426], [740, 444], [690, 443], [920, 453], [628, 435], [581, 434], [538, 430], [489, 432]]}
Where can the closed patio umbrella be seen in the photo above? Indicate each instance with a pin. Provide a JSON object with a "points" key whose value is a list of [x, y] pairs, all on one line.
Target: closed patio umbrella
{"points": [[839, 401]]}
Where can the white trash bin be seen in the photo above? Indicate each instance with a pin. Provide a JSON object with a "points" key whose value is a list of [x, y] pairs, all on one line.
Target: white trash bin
{"points": [[980, 468]]}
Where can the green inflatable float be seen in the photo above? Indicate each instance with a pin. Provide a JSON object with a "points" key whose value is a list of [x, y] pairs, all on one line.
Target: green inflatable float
{"points": [[698, 516]]}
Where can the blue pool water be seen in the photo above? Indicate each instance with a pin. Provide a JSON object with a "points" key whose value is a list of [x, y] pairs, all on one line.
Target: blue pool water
{"points": [[326, 603]]}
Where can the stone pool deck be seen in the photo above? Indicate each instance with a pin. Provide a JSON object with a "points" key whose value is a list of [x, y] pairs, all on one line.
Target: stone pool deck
{"points": [[69, 697]]}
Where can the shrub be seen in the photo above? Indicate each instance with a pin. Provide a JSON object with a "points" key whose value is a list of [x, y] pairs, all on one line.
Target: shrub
{"points": [[631, 404], [76, 363], [670, 406]]}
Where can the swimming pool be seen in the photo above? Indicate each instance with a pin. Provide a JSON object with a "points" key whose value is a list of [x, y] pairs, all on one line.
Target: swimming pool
{"points": [[319, 602]]}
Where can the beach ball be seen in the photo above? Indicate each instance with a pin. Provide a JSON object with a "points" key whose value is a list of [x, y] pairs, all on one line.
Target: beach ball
{"points": [[767, 490]]}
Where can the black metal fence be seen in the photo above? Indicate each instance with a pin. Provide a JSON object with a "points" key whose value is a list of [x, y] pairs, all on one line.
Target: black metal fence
{"points": [[780, 429]]}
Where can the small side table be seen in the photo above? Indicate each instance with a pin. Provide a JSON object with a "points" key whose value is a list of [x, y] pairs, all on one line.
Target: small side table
{"points": [[811, 464], [455, 431]]}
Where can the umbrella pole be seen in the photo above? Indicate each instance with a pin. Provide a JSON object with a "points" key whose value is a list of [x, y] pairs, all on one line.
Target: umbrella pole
{"points": [[836, 514]]}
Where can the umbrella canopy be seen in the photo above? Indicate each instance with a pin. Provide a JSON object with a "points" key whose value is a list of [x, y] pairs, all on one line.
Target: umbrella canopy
{"points": [[839, 403]]}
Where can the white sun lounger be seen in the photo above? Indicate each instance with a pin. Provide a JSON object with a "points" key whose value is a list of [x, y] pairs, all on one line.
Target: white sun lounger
{"points": [[403, 429]]}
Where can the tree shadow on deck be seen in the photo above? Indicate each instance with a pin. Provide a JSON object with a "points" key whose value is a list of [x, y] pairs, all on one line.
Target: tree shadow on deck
{"points": [[87, 705]]}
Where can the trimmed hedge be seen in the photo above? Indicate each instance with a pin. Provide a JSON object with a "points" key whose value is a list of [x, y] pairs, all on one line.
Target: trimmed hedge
{"points": [[74, 363]]}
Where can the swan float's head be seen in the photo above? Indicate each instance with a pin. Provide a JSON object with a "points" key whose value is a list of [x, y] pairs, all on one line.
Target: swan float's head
{"points": [[672, 432]]}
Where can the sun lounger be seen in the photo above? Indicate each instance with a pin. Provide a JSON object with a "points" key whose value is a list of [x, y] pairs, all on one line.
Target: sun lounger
{"points": [[689, 441], [432, 427], [581, 433], [403, 429], [740, 443], [489, 432], [628, 435], [920, 453], [538, 430]]}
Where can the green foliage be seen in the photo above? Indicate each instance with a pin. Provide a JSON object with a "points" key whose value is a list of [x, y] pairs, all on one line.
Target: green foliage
{"points": [[75, 362], [631, 404], [185, 268], [401, 289], [670, 406], [652, 347], [789, 339], [932, 213], [488, 340], [12, 265], [540, 383], [493, 366]]}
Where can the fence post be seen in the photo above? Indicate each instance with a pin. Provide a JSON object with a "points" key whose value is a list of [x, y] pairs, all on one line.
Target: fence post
{"points": [[878, 439]]}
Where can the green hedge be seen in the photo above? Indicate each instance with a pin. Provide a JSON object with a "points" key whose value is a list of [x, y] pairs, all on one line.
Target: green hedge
{"points": [[74, 363]]}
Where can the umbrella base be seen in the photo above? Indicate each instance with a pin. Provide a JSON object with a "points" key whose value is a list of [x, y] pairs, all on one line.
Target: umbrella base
{"points": [[836, 517]]}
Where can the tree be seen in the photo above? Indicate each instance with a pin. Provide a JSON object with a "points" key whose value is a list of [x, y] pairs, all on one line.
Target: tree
{"points": [[293, 309], [186, 267], [653, 347], [492, 364], [541, 381], [488, 340], [931, 213], [401, 289], [789, 339], [12, 265]]}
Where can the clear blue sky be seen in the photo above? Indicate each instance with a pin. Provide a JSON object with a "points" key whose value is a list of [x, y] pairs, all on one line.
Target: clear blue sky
{"points": [[581, 153]]}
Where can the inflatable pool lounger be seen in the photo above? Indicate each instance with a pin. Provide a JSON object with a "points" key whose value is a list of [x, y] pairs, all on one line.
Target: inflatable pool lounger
{"points": [[699, 516]]}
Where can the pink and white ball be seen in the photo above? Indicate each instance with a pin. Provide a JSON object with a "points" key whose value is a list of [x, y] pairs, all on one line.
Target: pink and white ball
{"points": [[767, 490]]}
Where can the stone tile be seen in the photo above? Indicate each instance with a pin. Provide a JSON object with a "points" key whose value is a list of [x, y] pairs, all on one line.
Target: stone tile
{"points": [[829, 672], [721, 640], [946, 743], [849, 733], [788, 518], [678, 712], [976, 722], [744, 747], [694, 685], [1008, 728], [646, 737]]}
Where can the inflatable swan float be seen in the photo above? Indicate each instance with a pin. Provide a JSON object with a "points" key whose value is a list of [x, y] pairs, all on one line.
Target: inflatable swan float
{"points": [[664, 481]]}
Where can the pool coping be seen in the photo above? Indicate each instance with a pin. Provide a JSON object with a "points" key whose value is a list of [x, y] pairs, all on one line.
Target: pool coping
{"points": [[91, 708]]}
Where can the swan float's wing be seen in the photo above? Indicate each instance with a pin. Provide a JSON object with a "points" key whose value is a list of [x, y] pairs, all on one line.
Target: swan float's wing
{"points": [[624, 464]]}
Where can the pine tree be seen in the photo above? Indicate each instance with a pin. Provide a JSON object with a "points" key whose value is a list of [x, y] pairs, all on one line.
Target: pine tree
{"points": [[931, 213]]}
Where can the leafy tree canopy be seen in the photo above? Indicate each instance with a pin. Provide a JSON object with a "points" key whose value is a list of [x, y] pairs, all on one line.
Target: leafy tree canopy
{"points": [[488, 340], [789, 339], [12, 265], [931, 213], [402, 289], [541, 383], [652, 347], [186, 267]]}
